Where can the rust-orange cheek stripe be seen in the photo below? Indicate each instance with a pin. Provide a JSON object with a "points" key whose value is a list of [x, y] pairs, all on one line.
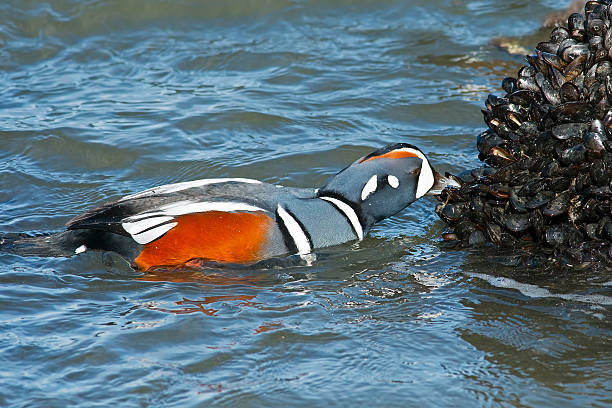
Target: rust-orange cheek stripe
{"points": [[393, 154], [215, 235]]}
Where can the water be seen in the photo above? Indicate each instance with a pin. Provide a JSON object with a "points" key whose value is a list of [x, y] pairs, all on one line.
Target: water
{"points": [[103, 98]]}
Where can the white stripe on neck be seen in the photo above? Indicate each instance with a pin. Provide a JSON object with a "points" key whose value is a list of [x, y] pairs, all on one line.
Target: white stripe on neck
{"points": [[349, 212]]}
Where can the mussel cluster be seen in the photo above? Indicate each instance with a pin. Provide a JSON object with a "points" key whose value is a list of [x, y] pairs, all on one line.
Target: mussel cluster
{"points": [[546, 181]]}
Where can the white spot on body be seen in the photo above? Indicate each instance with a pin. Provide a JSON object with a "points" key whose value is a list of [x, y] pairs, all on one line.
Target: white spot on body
{"points": [[296, 232], [393, 181], [80, 249], [369, 187], [152, 234]]}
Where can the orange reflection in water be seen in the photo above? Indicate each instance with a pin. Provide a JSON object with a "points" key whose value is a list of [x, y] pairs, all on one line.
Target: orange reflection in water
{"points": [[189, 274], [268, 327]]}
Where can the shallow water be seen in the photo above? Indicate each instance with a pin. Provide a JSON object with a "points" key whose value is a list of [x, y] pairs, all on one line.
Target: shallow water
{"points": [[103, 98]]}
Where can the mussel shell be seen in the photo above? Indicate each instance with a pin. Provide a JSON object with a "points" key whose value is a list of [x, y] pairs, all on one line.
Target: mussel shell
{"points": [[574, 68], [528, 83], [568, 130], [572, 112], [494, 232], [608, 39], [549, 47], [532, 187], [575, 24], [552, 59], [509, 85], [595, 27], [594, 141], [547, 89], [551, 169], [450, 236], [519, 178], [574, 154], [591, 230], [451, 212], [517, 202], [559, 184], [522, 97], [527, 71], [599, 174], [556, 235], [572, 52], [518, 222], [608, 229], [528, 129], [494, 100], [477, 238], [559, 34], [499, 191], [487, 140], [464, 228], [539, 199]]}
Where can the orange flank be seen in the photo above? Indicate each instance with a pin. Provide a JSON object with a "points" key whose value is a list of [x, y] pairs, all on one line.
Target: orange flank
{"points": [[219, 236], [393, 154]]}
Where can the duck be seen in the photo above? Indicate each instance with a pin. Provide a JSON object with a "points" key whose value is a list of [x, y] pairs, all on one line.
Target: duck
{"points": [[244, 221]]}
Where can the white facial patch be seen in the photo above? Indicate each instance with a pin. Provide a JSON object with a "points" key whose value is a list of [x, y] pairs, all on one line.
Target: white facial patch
{"points": [[369, 187], [393, 181], [426, 177], [80, 249]]}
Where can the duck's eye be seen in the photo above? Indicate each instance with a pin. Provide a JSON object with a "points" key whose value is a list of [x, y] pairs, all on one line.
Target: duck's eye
{"points": [[416, 171]]}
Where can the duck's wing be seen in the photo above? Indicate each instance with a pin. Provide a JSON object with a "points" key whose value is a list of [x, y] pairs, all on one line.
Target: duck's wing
{"points": [[148, 215]]}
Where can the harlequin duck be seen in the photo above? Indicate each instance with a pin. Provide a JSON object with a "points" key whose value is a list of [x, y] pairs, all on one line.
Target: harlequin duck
{"points": [[243, 221]]}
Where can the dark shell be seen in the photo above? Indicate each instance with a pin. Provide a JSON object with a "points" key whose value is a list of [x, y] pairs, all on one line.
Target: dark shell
{"points": [[567, 130], [574, 68], [599, 174], [476, 238], [494, 232], [539, 199], [559, 34], [594, 141], [509, 85], [487, 140], [574, 154], [572, 112], [556, 235], [517, 202], [518, 222], [557, 206]]}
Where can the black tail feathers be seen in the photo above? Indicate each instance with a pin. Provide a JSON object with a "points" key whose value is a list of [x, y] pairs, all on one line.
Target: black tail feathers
{"points": [[67, 243], [51, 245]]}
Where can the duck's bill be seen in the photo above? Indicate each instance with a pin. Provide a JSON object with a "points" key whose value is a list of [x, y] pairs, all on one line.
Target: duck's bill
{"points": [[440, 183]]}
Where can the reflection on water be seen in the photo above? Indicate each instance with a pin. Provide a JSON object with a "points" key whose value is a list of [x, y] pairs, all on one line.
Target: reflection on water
{"points": [[102, 99]]}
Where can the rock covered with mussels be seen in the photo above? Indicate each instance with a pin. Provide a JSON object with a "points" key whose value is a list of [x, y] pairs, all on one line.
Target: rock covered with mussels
{"points": [[547, 152]]}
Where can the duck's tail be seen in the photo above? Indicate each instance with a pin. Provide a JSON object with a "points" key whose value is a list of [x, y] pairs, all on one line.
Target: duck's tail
{"points": [[68, 243], [49, 245]]}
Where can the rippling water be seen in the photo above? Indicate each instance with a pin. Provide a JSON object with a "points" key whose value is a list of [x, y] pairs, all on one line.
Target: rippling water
{"points": [[102, 98]]}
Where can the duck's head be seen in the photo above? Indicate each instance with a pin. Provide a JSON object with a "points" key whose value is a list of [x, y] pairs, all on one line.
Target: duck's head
{"points": [[385, 182]]}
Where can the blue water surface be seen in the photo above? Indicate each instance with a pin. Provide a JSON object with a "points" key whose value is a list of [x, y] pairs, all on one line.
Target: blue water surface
{"points": [[102, 98]]}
